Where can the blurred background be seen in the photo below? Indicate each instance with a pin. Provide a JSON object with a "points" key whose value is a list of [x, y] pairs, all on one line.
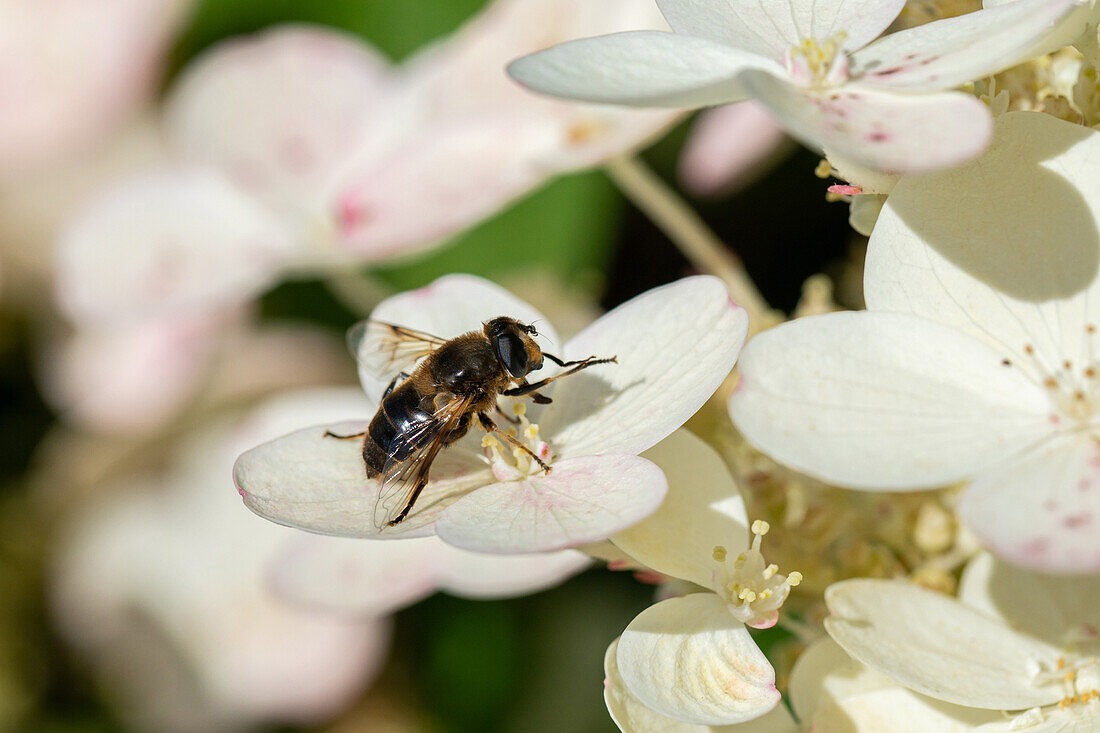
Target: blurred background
{"points": [[131, 599]]}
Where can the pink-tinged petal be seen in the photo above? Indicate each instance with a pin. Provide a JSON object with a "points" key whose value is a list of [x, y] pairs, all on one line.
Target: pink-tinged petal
{"points": [[689, 659], [884, 401], [703, 509], [934, 645], [939, 248], [74, 71], [770, 29], [675, 345], [1042, 509], [728, 147], [319, 484], [889, 132], [479, 575], [356, 576], [279, 112], [167, 244], [640, 68], [1056, 610], [129, 378], [946, 53], [447, 307], [582, 500]]}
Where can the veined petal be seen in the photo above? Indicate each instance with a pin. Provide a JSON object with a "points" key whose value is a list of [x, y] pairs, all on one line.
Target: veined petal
{"points": [[898, 133], [973, 247], [319, 484], [703, 509], [936, 646], [582, 500], [883, 401], [167, 243], [1056, 610], [278, 111], [632, 716], [1042, 509], [1049, 720], [824, 675], [447, 307], [641, 68], [946, 53], [770, 28], [675, 345], [899, 711], [689, 659]]}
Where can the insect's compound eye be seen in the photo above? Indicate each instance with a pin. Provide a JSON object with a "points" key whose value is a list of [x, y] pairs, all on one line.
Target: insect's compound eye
{"points": [[513, 354]]}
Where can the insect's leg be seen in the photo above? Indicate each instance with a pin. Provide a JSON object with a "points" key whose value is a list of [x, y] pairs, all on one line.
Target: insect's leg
{"points": [[490, 427], [577, 366], [539, 399], [421, 482], [330, 434], [401, 377], [506, 416]]}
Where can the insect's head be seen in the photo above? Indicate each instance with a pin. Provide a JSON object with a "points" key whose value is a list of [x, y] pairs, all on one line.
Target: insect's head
{"points": [[515, 346]]}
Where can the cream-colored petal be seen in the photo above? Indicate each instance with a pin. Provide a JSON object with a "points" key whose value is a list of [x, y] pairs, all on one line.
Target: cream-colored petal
{"points": [[936, 646], [580, 501], [1081, 718], [883, 401], [824, 675], [1005, 248], [675, 345], [688, 659], [703, 509], [318, 483], [898, 710], [479, 575]]}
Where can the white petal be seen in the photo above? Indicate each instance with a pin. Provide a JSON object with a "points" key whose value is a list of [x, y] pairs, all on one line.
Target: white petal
{"points": [[581, 500], [939, 246], [883, 401], [166, 243], [319, 484], [675, 345], [824, 675], [1072, 719], [728, 147], [769, 29], [1041, 510], [703, 509], [946, 53], [279, 111], [889, 132], [1049, 608], [479, 575], [935, 645], [687, 658], [899, 711], [633, 717], [356, 576], [642, 68], [448, 307]]}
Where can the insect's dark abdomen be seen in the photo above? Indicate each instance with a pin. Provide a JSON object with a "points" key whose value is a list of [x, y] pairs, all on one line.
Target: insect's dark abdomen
{"points": [[399, 415], [464, 366]]}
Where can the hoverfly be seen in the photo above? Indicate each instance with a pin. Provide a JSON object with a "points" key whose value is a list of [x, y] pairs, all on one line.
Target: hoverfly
{"points": [[431, 404]]}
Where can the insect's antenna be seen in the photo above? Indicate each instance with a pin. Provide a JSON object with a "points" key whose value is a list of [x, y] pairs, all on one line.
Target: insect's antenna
{"points": [[543, 335]]}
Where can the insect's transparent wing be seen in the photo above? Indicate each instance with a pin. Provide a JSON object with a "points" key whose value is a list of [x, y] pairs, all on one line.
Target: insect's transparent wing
{"points": [[401, 481], [386, 349]]}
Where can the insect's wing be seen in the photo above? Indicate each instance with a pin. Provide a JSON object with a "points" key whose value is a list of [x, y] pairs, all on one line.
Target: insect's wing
{"points": [[401, 481], [386, 349]]}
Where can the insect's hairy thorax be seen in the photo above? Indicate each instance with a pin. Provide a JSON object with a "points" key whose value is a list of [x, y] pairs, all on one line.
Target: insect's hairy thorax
{"points": [[468, 366]]}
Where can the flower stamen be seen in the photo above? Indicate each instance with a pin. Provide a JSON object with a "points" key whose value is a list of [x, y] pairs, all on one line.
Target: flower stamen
{"points": [[754, 589]]}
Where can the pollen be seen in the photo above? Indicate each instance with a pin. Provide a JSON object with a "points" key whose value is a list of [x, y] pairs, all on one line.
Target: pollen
{"points": [[719, 553]]}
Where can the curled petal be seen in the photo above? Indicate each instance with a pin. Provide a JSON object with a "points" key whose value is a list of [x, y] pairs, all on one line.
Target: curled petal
{"points": [[582, 500], [688, 659], [675, 345]]}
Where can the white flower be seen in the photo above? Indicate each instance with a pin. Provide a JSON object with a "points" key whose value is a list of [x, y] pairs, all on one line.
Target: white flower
{"points": [[729, 147], [976, 359], [885, 105], [691, 658], [674, 344], [1015, 641], [1074, 30]]}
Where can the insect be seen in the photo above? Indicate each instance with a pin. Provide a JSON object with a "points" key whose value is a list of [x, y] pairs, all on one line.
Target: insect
{"points": [[441, 387]]}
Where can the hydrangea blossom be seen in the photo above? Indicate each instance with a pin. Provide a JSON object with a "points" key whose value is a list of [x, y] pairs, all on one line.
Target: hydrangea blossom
{"points": [[301, 150], [1015, 641], [674, 344], [691, 659], [728, 147], [884, 104], [976, 357]]}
